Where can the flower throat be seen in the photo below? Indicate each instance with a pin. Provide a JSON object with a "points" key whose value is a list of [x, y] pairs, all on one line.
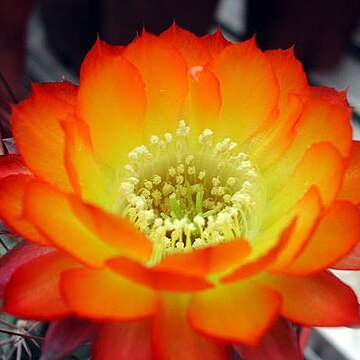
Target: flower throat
{"points": [[186, 192]]}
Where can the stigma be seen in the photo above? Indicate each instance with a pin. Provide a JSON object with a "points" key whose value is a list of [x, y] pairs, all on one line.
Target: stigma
{"points": [[187, 191]]}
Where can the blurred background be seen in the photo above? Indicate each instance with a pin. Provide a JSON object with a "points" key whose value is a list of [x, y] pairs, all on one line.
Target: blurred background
{"points": [[46, 40]]}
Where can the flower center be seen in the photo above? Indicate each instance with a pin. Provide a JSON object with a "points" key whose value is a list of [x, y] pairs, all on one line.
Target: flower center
{"points": [[186, 192]]}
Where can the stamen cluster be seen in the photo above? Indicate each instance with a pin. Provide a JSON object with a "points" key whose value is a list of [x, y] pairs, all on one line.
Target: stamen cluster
{"points": [[186, 194]]}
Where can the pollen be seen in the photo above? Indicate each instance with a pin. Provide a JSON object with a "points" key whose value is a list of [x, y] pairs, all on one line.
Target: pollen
{"points": [[187, 191]]}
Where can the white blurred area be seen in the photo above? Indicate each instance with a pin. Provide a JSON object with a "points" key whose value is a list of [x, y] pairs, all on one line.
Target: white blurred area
{"points": [[232, 13]]}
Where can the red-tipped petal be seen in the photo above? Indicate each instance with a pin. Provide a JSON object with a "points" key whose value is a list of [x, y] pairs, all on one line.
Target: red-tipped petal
{"points": [[191, 47], [12, 165], [237, 312], [157, 278], [215, 43], [16, 257], [38, 134], [12, 190], [316, 300], [33, 291], [289, 74], [325, 118], [174, 339], [331, 95], [350, 189], [104, 295], [109, 49], [336, 234], [123, 342], [213, 259], [52, 212]]}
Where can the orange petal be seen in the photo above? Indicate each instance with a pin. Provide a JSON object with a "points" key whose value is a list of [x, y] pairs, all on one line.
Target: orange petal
{"points": [[112, 101], [321, 121], [289, 74], [110, 49], [88, 176], [307, 213], [52, 213], [165, 75], [215, 43], [316, 300], [350, 189], [95, 186], [12, 190], [172, 281], [33, 291], [12, 164], [16, 257], [240, 312], [157, 278], [174, 339], [191, 47], [104, 295], [308, 173], [213, 259], [113, 230], [335, 235], [37, 131], [325, 118], [268, 146], [331, 95], [264, 253], [123, 342], [281, 342], [185, 271], [204, 99], [249, 90]]}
